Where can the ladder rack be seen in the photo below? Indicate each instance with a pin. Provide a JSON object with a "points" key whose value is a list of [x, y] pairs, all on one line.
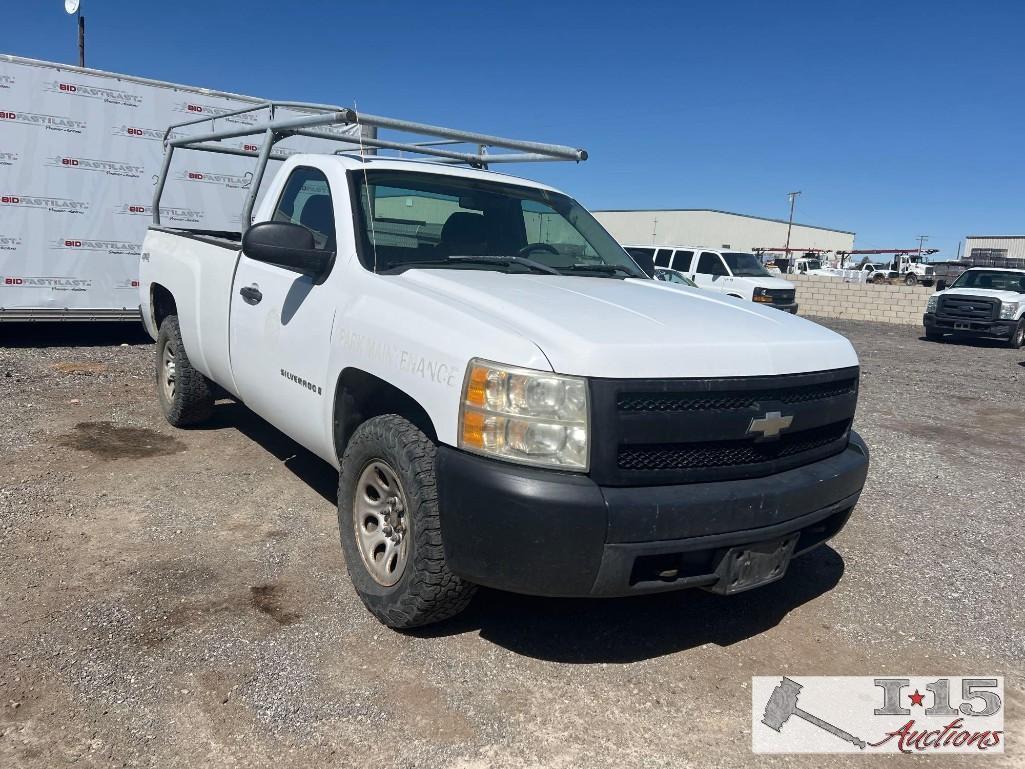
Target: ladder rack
{"points": [[319, 117]]}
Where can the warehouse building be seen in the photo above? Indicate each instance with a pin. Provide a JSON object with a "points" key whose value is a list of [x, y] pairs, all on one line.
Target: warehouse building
{"points": [[716, 229], [995, 250]]}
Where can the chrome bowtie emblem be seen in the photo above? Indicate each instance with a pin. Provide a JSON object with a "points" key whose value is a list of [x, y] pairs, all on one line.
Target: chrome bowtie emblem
{"points": [[771, 425]]}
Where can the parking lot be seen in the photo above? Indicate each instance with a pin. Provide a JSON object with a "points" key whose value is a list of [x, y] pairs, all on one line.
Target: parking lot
{"points": [[178, 598]]}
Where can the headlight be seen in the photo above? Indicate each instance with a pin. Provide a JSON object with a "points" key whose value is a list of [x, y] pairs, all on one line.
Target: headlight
{"points": [[930, 306], [520, 415], [1008, 310], [761, 295]]}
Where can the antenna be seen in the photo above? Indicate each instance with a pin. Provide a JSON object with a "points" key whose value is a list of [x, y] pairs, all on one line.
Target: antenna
{"points": [[366, 185]]}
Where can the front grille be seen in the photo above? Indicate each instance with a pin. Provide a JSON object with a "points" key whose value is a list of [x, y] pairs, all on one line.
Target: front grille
{"points": [[672, 431], [734, 400], [781, 295], [968, 307], [685, 456]]}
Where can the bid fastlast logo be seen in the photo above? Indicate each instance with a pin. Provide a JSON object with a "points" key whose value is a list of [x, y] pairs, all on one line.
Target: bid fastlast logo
{"points": [[104, 94], [108, 167], [43, 121], [231, 181], [851, 714], [54, 205], [114, 247]]}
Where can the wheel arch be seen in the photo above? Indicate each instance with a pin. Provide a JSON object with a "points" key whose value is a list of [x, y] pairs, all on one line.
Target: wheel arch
{"points": [[162, 304], [360, 396]]}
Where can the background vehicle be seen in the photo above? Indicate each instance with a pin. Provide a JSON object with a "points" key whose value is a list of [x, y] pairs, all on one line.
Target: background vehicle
{"points": [[734, 273], [982, 302], [509, 399], [80, 150]]}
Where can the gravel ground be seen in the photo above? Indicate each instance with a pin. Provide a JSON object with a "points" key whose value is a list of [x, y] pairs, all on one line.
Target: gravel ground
{"points": [[178, 598]]}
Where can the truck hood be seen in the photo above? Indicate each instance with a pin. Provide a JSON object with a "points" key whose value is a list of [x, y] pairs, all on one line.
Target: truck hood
{"points": [[602, 327], [1003, 296]]}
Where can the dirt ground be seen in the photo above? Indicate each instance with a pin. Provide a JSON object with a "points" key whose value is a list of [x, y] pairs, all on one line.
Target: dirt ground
{"points": [[178, 598]]}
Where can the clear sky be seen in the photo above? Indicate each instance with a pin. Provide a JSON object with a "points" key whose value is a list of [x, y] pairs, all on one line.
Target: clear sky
{"points": [[895, 118]]}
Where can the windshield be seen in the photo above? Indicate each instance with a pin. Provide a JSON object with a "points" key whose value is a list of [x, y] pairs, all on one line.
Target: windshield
{"points": [[995, 279], [745, 265], [814, 264], [411, 219]]}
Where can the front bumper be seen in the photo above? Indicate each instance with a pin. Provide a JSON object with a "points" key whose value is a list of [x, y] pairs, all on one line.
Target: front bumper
{"points": [[551, 533], [791, 308], [1001, 329]]}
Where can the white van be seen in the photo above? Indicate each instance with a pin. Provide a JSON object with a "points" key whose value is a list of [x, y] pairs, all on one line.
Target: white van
{"points": [[734, 273]]}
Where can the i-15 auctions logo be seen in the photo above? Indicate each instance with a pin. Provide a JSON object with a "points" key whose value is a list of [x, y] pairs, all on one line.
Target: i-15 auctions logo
{"points": [[46, 122], [851, 714], [104, 94], [8, 158], [6, 81], [108, 167]]}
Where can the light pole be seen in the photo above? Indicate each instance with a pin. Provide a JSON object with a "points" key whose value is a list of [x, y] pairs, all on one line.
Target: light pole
{"points": [[74, 7], [790, 224]]}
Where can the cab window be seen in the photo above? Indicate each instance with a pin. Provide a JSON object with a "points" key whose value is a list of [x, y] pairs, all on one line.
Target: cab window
{"points": [[683, 260], [663, 257], [306, 200], [711, 264]]}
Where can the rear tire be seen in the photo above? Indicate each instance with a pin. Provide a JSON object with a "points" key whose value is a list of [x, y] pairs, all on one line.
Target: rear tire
{"points": [[1017, 338], [185, 394], [390, 526]]}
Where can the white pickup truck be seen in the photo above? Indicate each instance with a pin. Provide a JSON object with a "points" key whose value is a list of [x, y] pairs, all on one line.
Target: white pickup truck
{"points": [[509, 399], [983, 302]]}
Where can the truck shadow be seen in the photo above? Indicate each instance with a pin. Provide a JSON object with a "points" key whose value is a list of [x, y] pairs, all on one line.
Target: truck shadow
{"points": [[306, 466], [73, 334], [584, 631]]}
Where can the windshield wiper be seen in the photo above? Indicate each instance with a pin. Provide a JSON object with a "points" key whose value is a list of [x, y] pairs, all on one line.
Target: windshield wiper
{"points": [[606, 269], [505, 260]]}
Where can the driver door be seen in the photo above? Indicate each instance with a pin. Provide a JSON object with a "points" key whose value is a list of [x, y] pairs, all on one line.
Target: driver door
{"points": [[710, 272], [280, 323]]}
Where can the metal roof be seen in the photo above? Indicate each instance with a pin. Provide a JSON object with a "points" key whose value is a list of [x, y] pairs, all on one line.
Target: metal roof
{"points": [[713, 211]]}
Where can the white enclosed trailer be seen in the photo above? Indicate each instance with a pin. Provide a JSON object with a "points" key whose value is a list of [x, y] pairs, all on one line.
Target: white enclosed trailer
{"points": [[80, 153]]}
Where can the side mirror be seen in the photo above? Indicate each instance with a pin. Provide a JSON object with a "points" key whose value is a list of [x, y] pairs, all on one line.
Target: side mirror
{"points": [[286, 245], [941, 285]]}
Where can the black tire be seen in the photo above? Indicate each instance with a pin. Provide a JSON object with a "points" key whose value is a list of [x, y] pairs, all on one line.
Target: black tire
{"points": [[426, 591], [879, 278], [933, 336], [191, 401], [911, 279], [1017, 338]]}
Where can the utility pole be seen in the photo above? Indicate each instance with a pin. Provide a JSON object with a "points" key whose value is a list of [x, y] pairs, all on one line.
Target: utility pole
{"points": [[74, 7], [921, 242], [790, 224]]}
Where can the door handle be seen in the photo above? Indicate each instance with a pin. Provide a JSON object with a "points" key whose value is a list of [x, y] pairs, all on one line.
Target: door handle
{"points": [[250, 294]]}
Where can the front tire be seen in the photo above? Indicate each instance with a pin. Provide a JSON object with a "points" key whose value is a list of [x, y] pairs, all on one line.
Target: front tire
{"points": [[1017, 338], [910, 279], [933, 336], [185, 394], [390, 526]]}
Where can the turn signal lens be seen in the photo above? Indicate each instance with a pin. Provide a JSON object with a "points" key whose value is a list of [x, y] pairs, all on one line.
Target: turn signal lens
{"points": [[520, 415]]}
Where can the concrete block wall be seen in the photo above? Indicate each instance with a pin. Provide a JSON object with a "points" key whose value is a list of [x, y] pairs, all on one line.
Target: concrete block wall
{"points": [[832, 298]]}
